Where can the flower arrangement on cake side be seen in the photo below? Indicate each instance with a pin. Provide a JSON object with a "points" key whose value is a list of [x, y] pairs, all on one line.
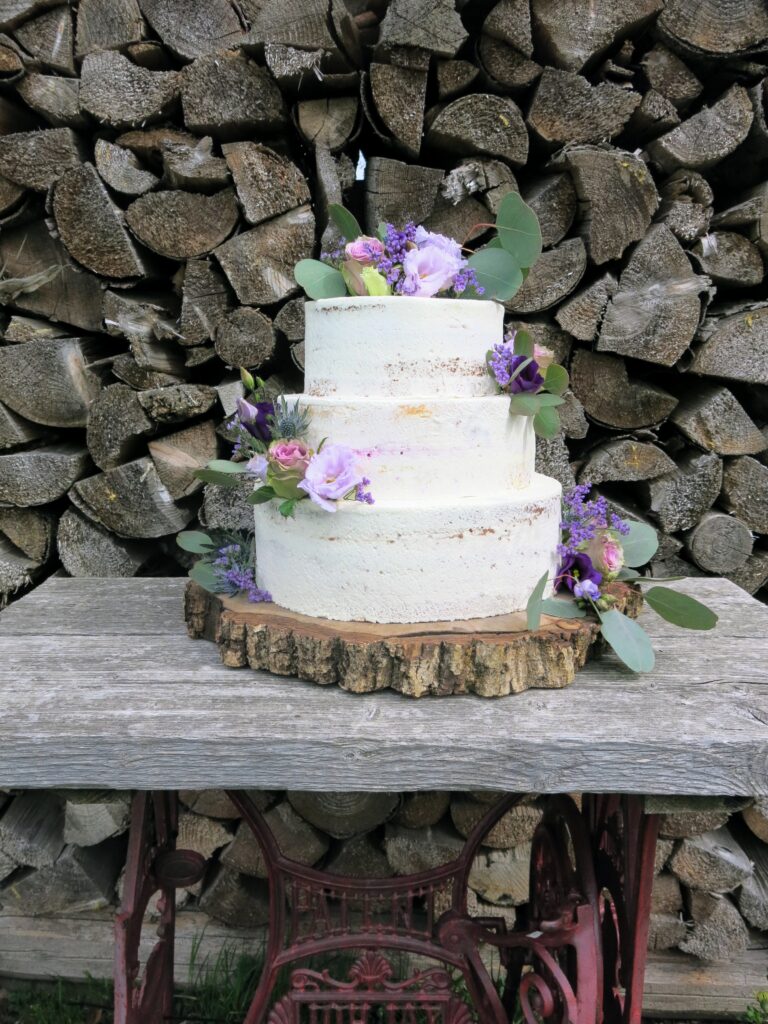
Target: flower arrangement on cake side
{"points": [[598, 548]]}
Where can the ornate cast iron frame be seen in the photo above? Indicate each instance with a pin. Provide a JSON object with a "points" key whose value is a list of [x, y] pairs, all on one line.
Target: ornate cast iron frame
{"points": [[577, 958]]}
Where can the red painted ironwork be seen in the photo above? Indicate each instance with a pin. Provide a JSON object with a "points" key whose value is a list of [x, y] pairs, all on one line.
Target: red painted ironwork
{"points": [[577, 958], [153, 865]]}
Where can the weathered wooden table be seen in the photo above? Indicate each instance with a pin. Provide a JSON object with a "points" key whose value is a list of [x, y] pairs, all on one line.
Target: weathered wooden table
{"points": [[100, 689]]}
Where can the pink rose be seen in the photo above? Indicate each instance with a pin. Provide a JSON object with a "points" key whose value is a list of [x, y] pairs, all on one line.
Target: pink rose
{"points": [[543, 356], [365, 250], [606, 552], [289, 454]]}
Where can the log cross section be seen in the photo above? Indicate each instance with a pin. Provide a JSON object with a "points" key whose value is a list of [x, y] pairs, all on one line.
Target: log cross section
{"points": [[101, 689]]}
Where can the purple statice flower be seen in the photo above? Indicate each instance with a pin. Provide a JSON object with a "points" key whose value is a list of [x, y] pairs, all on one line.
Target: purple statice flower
{"points": [[586, 589], [576, 568], [331, 475], [583, 519], [335, 254], [429, 270], [235, 577], [396, 245], [362, 495], [467, 278], [255, 416], [514, 373]]}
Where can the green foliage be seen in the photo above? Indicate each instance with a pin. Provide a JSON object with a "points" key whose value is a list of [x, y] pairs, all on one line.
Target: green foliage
{"points": [[523, 344], [680, 609], [319, 280], [757, 1013], [518, 230], [546, 423], [562, 608], [526, 404], [219, 477], [556, 379], [497, 272], [640, 544], [60, 1003], [628, 639], [288, 507], [345, 221], [196, 541], [534, 607], [203, 573], [261, 495]]}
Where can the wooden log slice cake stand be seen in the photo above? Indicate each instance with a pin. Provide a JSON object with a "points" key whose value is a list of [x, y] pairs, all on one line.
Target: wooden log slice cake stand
{"points": [[491, 657]]}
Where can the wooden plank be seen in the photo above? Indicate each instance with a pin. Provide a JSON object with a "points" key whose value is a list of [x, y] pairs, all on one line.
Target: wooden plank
{"points": [[68, 947], [163, 712]]}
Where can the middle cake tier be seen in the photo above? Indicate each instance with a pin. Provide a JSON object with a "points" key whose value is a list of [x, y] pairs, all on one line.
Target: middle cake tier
{"points": [[441, 447]]}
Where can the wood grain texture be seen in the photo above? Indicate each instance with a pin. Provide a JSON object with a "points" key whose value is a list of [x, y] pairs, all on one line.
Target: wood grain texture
{"points": [[111, 695], [492, 657]]}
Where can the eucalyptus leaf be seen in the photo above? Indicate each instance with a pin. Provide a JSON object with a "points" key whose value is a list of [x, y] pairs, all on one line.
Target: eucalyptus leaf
{"points": [[203, 573], [519, 231], [546, 423], [523, 344], [196, 541], [225, 466], [215, 476], [556, 379], [381, 230], [287, 507], [628, 639], [680, 609], [562, 609], [534, 607], [345, 221], [628, 574], [497, 272], [524, 405], [640, 544], [319, 280], [261, 496]]}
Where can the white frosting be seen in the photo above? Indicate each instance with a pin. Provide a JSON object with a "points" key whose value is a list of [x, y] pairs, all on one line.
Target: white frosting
{"points": [[462, 527], [442, 447], [421, 561], [400, 346]]}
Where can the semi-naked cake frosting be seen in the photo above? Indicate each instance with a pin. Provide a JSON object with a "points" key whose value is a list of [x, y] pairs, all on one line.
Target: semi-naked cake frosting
{"points": [[462, 526]]}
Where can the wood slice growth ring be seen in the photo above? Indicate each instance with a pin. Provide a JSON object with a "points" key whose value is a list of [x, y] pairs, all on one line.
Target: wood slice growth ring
{"points": [[490, 657]]}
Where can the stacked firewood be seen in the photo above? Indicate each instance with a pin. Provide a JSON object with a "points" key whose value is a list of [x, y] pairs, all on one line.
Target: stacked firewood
{"points": [[62, 853], [163, 165]]}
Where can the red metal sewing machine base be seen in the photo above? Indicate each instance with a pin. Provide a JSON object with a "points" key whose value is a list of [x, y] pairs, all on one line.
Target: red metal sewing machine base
{"points": [[578, 958]]}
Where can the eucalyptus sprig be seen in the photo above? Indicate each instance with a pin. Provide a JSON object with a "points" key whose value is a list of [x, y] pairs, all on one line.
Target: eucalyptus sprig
{"points": [[629, 640]]}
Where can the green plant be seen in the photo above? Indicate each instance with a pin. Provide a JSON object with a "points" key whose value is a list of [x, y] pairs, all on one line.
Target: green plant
{"points": [[757, 1013], [221, 987], [61, 1003]]}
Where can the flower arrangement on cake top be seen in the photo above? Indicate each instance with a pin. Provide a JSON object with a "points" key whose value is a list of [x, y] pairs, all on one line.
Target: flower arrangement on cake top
{"points": [[529, 374], [417, 262], [598, 548]]}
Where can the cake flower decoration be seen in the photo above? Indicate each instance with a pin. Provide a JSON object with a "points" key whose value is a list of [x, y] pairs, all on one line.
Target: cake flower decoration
{"points": [[270, 450], [530, 376], [598, 548], [413, 261]]}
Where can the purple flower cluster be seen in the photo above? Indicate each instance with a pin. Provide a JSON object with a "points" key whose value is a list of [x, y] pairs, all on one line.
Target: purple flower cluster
{"points": [[515, 374], [255, 417], [235, 576], [395, 249], [583, 519], [362, 495]]}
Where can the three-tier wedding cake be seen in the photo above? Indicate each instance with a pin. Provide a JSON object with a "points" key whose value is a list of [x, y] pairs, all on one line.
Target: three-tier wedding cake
{"points": [[462, 526]]}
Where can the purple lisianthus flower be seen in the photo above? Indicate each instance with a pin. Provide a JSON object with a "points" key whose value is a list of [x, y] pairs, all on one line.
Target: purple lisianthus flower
{"points": [[503, 364], [257, 466], [450, 246], [586, 588], [576, 568], [331, 475], [429, 270], [254, 416]]}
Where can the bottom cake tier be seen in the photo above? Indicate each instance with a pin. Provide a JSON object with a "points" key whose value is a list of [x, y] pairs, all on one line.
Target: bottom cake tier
{"points": [[416, 562]]}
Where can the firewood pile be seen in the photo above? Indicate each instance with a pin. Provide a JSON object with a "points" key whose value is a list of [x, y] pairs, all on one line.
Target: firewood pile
{"points": [[62, 853], [164, 164]]}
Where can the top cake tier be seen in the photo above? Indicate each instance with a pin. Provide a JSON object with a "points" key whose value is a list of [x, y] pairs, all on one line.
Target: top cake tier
{"points": [[398, 346]]}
